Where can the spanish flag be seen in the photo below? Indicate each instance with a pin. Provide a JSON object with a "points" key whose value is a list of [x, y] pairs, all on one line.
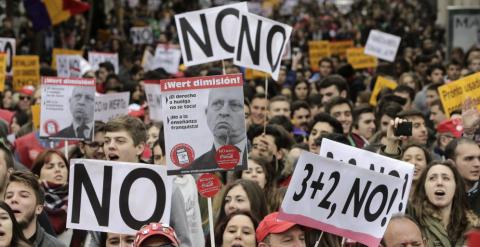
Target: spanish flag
{"points": [[46, 13]]}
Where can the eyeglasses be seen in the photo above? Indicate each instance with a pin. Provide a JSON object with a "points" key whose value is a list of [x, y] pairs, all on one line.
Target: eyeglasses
{"points": [[94, 145], [24, 97]]}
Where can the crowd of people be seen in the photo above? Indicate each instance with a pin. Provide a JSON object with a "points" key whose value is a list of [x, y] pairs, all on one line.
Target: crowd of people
{"points": [[290, 116]]}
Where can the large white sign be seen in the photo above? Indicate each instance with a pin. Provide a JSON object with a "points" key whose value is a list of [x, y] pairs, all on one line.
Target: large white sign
{"points": [[69, 66], [372, 161], [335, 197], [67, 109], [261, 43], [95, 58], [204, 124], [109, 106], [382, 45], [209, 35], [463, 27], [154, 98], [166, 57], [141, 35], [117, 197], [7, 45]]}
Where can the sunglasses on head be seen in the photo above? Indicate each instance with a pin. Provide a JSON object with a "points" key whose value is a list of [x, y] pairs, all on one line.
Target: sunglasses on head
{"points": [[23, 97]]}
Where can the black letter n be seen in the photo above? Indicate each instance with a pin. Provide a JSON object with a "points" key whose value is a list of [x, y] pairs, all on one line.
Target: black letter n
{"points": [[186, 29], [82, 179], [254, 51]]}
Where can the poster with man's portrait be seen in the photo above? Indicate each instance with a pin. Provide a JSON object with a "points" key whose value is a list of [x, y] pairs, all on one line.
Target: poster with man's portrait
{"points": [[67, 109], [204, 123]]}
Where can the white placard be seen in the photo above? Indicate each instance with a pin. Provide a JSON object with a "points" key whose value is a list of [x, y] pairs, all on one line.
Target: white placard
{"points": [[166, 57], [204, 124], [261, 43], [154, 99], [7, 45], [67, 109], [463, 28], [69, 66], [95, 58], [210, 34], [117, 197], [371, 161], [345, 200], [382, 45], [109, 106], [141, 35]]}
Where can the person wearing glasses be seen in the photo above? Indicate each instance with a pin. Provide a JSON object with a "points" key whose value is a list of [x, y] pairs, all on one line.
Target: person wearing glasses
{"points": [[225, 119], [94, 149]]}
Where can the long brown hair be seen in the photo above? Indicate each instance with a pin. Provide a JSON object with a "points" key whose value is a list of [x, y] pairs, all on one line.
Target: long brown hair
{"points": [[18, 239], [424, 209]]}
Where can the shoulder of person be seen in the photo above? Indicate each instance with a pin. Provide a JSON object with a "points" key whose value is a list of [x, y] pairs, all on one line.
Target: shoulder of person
{"points": [[473, 219]]}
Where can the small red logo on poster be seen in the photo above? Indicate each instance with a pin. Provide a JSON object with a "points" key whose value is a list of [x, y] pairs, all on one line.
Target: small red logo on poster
{"points": [[182, 155], [208, 185], [51, 127], [227, 157]]}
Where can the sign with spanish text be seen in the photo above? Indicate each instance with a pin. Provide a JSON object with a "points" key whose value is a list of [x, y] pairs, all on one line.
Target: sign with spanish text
{"points": [[26, 71], [7, 46], [342, 199], [166, 57], [95, 58], [61, 51], [317, 49], [112, 105], [261, 43], [382, 45], [463, 28], [67, 108], [141, 35], [204, 124], [209, 35], [111, 196], [359, 60], [340, 47], [454, 93], [153, 93], [380, 84], [3, 70], [69, 66]]}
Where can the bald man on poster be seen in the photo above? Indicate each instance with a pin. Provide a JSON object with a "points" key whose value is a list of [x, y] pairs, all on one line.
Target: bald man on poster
{"points": [[226, 121]]}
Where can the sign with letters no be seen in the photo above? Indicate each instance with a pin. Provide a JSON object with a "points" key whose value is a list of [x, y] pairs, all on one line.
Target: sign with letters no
{"points": [[335, 197]]}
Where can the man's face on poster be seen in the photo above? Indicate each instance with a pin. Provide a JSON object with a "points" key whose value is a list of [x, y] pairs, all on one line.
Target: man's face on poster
{"points": [[225, 116], [82, 105]]}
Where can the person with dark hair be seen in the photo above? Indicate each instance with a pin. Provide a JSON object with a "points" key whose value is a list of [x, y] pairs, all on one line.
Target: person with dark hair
{"points": [[300, 90], [282, 121], [258, 109], [125, 139], [332, 86], [325, 68], [435, 73], [341, 109], [322, 123], [407, 93], [104, 69], [300, 118], [418, 156], [403, 230], [437, 113], [419, 129], [454, 68], [6, 167], [12, 232], [94, 149], [432, 93], [236, 229], [26, 197], [113, 84], [315, 103], [385, 112], [363, 124]]}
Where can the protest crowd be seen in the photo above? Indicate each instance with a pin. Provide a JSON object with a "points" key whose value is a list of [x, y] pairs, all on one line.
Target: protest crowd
{"points": [[415, 107]]}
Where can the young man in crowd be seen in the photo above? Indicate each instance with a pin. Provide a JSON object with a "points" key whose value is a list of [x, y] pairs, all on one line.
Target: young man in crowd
{"points": [[419, 129], [332, 86], [437, 113], [258, 109], [6, 167], [453, 71], [407, 93], [300, 119], [363, 124], [322, 123], [279, 106], [272, 232], [94, 149], [26, 198]]}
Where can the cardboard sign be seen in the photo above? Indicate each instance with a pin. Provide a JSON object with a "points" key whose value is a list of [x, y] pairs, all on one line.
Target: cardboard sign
{"points": [[35, 116], [342, 199], [210, 34], [317, 50], [380, 84], [7, 46], [359, 60], [60, 51], [141, 35], [112, 196], [261, 43], [67, 110], [454, 94], [95, 58], [166, 57], [69, 66], [26, 71], [251, 74], [109, 106], [463, 27], [375, 162], [204, 124], [340, 47], [154, 98], [382, 45], [3, 70]]}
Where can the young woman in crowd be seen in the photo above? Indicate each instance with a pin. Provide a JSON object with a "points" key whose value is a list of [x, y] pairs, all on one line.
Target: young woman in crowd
{"points": [[12, 232], [300, 90], [418, 156], [108, 239], [439, 204], [236, 229]]}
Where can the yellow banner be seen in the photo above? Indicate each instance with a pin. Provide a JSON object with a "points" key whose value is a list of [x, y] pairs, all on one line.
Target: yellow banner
{"points": [[60, 51], [340, 47], [380, 84], [317, 50], [453, 94], [36, 116], [251, 74], [3, 70], [26, 71], [360, 60]]}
